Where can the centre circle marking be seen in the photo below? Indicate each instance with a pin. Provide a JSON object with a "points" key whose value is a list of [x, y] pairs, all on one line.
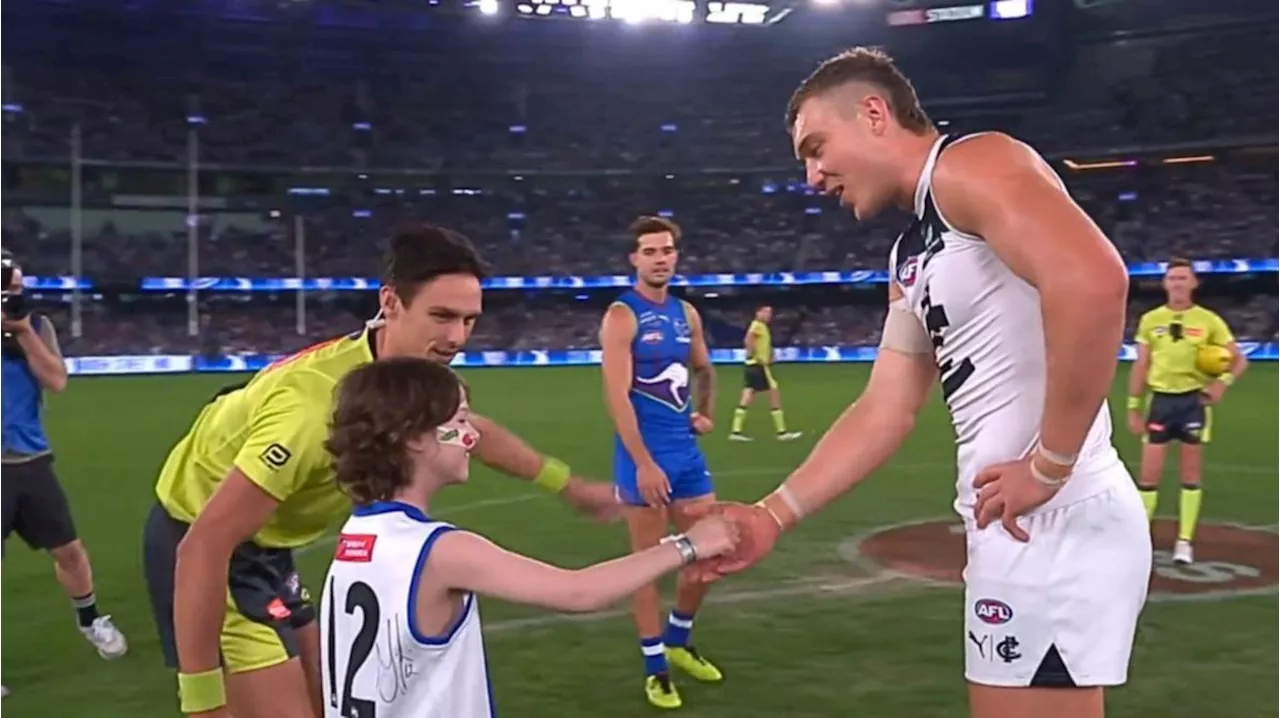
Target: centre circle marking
{"points": [[1230, 560]]}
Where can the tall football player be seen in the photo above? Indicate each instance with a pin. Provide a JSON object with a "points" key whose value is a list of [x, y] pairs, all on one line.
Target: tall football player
{"points": [[1004, 289], [654, 350]]}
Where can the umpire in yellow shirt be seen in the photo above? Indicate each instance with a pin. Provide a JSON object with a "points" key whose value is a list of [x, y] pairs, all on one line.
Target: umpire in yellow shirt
{"points": [[1180, 407], [757, 376]]}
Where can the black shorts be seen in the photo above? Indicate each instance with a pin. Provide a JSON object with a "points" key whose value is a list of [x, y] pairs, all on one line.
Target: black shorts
{"points": [[266, 602], [1178, 417], [757, 377], [35, 505]]}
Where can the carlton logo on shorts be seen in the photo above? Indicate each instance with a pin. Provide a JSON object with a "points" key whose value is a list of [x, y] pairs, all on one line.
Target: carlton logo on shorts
{"points": [[992, 612], [275, 456], [1007, 649]]}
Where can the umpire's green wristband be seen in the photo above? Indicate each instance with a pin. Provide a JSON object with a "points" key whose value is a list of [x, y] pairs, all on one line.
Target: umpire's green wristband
{"points": [[553, 476], [200, 692], [1135, 402]]}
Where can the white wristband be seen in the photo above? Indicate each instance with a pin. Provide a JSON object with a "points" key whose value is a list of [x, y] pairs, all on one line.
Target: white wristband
{"points": [[1046, 480], [1054, 457], [791, 501]]}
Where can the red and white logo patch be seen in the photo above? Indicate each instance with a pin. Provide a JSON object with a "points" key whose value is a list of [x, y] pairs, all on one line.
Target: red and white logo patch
{"points": [[907, 271], [357, 548], [277, 610]]}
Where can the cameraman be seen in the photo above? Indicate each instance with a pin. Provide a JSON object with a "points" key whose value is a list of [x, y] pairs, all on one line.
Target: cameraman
{"points": [[34, 504]]}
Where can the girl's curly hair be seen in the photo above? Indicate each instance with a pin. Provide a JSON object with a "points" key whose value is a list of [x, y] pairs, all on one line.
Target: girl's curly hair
{"points": [[379, 408]]}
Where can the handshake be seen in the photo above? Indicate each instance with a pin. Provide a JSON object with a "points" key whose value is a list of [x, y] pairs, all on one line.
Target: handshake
{"points": [[729, 537]]}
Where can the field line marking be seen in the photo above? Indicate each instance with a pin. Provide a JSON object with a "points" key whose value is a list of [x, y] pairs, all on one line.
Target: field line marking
{"points": [[327, 541], [804, 589]]}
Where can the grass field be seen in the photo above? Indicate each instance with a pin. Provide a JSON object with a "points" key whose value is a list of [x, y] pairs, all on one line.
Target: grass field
{"points": [[807, 634]]}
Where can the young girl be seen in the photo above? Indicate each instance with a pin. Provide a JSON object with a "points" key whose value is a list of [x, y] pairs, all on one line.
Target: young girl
{"points": [[400, 626]]}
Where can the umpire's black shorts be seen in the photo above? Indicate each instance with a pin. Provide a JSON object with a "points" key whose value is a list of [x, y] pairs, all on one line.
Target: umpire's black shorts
{"points": [[758, 377], [35, 505], [1178, 417], [266, 603]]}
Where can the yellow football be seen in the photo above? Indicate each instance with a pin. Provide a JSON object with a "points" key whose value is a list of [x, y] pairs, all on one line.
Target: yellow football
{"points": [[1213, 360]]}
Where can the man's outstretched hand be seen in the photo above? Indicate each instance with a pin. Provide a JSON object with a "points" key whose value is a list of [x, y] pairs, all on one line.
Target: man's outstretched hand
{"points": [[757, 533], [595, 499]]}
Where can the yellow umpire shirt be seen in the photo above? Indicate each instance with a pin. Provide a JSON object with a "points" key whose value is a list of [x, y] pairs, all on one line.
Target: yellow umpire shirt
{"points": [[763, 344], [1174, 338], [273, 429]]}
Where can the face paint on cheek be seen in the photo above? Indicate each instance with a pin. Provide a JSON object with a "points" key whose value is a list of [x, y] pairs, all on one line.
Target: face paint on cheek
{"points": [[454, 436]]}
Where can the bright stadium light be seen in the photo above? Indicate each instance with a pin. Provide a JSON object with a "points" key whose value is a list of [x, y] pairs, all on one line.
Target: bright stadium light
{"points": [[736, 13], [826, 3], [488, 7], [628, 11]]}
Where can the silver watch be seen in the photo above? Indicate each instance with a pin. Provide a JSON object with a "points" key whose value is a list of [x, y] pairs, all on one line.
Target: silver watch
{"points": [[688, 554]]}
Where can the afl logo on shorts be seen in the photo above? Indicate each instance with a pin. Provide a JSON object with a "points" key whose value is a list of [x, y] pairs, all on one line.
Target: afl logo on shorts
{"points": [[907, 271], [993, 612]]}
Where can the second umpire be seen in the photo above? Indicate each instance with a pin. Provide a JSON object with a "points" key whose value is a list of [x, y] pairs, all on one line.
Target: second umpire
{"points": [[1169, 339]]}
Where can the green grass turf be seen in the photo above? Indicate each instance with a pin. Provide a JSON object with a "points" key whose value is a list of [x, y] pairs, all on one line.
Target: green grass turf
{"points": [[889, 649]]}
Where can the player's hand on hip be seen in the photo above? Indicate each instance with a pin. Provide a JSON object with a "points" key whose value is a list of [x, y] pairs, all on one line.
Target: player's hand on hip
{"points": [[1136, 423], [1212, 393], [596, 499], [757, 533], [702, 425], [1007, 491], [653, 485]]}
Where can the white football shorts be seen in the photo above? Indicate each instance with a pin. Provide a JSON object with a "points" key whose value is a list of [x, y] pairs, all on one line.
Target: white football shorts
{"points": [[1060, 610]]}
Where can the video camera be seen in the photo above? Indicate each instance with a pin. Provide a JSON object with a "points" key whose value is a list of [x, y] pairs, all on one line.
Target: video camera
{"points": [[12, 302]]}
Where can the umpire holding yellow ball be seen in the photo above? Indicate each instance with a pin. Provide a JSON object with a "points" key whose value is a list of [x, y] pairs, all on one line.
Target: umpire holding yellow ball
{"points": [[1182, 363]]}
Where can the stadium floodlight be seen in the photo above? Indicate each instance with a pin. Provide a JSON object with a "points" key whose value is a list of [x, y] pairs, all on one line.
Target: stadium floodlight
{"points": [[826, 3], [488, 7], [737, 13]]}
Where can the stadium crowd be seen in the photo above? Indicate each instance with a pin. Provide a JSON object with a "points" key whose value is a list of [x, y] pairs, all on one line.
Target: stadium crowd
{"points": [[543, 195], [251, 327], [1210, 210], [520, 105]]}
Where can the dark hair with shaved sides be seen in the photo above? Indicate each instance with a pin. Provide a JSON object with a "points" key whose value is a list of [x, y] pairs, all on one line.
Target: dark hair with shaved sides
{"points": [[869, 66]]}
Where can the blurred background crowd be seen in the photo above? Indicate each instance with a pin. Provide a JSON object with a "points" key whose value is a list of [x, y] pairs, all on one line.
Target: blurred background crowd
{"points": [[307, 137]]}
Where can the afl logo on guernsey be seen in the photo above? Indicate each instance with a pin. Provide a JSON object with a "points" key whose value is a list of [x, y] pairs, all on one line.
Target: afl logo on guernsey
{"points": [[908, 270], [992, 612]]}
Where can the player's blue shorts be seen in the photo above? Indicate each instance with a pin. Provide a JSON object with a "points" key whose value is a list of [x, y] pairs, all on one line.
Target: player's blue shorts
{"points": [[686, 469]]}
